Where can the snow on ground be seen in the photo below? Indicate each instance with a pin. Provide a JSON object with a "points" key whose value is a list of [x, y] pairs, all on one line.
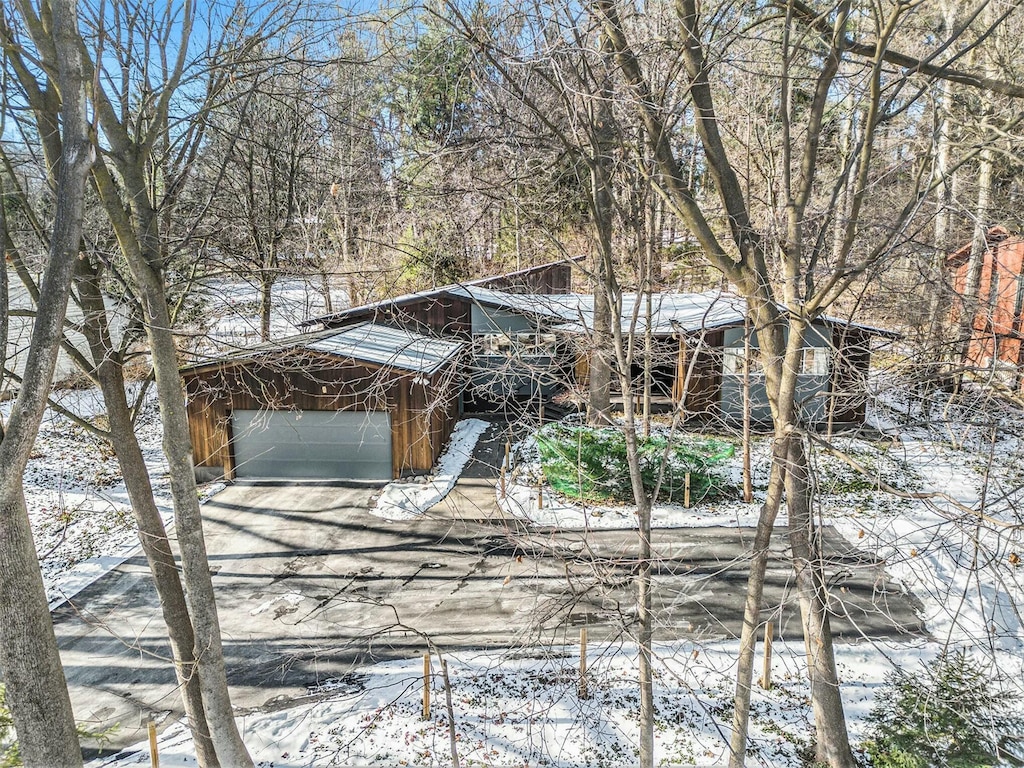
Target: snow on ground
{"points": [[77, 502], [524, 708], [404, 500], [233, 311]]}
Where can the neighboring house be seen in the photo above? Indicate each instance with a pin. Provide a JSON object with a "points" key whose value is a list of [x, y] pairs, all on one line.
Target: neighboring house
{"points": [[996, 330], [376, 391]]}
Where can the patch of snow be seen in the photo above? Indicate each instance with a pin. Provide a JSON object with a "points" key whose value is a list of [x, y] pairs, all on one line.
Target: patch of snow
{"points": [[288, 599], [232, 310], [78, 505], [404, 500], [522, 707]]}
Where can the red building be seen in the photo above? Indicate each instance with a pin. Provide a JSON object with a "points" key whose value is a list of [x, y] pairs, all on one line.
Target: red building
{"points": [[996, 333]]}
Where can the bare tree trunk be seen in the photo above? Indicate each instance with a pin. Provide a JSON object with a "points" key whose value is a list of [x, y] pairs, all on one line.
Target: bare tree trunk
{"points": [[752, 609], [139, 242], [832, 742], [601, 341], [266, 298], [644, 566], [152, 533], [177, 446], [971, 305], [36, 688], [939, 306]]}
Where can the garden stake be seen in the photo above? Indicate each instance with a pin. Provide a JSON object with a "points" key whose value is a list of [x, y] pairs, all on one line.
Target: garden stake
{"points": [[540, 497], [766, 675], [426, 686], [508, 454], [584, 693], [501, 476], [154, 753], [686, 491]]}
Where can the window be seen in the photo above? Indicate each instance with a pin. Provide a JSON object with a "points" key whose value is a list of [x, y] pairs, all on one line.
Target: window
{"points": [[815, 361], [733, 361], [527, 343]]}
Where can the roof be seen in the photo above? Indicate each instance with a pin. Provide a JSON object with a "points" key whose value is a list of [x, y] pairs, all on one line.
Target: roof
{"points": [[456, 289], [366, 342], [993, 238], [555, 306], [670, 312], [574, 312]]}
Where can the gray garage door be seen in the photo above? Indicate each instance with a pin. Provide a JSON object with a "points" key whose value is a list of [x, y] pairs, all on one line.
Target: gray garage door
{"points": [[312, 444]]}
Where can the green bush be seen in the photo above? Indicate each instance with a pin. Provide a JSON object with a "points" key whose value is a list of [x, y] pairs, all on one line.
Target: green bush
{"points": [[9, 756], [590, 463], [949, 715]]}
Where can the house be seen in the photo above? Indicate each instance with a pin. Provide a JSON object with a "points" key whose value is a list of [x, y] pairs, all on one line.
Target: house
{"points": [[375, 391], [996, 330], [532, 345], [366, 401]]}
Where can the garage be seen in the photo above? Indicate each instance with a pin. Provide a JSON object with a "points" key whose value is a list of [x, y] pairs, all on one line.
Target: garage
{"points": [[321, 445], [364, 402]]}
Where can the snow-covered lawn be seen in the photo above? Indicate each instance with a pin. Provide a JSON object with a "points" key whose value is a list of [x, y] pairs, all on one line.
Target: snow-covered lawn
{"points": [[524, 708], [406, 499], [232, 309]]}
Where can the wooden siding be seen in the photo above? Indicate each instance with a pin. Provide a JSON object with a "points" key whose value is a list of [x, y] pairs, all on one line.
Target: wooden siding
{"points": [[705, 384], [851, 360], [546, 278], [423, 410], [446, 316]]}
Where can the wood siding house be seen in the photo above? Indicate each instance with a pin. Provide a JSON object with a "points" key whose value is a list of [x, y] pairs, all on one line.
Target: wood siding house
{"points": [[376, 391]]}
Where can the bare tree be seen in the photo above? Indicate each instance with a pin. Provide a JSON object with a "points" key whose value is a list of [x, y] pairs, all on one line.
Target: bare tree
{"points": [[36, 689]]}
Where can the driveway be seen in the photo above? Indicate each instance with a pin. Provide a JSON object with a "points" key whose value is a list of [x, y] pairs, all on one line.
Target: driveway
{"points": [[309, 583]]}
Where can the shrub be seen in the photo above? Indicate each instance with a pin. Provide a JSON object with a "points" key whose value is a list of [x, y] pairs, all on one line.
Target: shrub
{"points": [[949, 715], [590, 463]]}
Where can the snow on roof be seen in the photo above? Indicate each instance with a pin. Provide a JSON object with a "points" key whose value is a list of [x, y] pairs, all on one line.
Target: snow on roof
{"points": [[670, 312], [574, 312], [367, 342]]}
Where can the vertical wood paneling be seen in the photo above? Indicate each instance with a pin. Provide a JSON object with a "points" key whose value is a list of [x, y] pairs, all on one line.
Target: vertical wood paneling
{"points": [[319, 383]]}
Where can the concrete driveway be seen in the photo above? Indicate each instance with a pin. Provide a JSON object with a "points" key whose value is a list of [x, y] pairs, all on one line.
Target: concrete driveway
{"points": [[309, 583]]}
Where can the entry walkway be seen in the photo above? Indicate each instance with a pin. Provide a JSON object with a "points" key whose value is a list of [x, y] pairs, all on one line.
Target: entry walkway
{"points": [[474, 496]]}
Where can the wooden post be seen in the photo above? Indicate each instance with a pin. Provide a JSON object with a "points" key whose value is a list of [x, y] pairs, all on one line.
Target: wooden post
{"points": [[426, 686], [686, 491], [540, 496], [540, 413], [748, 478], [766, 674], [154, 753], [508, 454], [584, 690]]}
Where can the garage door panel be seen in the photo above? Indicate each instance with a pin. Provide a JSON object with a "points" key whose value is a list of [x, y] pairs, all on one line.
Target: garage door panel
{"points": [[312, 444]]}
